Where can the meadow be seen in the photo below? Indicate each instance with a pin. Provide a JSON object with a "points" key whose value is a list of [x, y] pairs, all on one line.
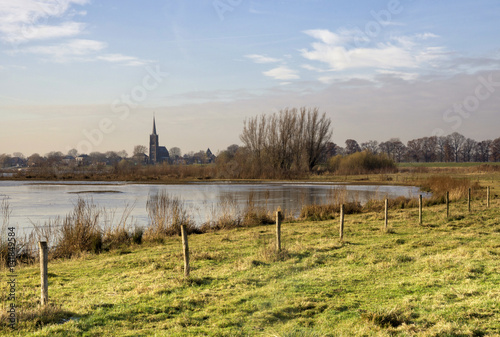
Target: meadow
{"points": [[436, 279]]}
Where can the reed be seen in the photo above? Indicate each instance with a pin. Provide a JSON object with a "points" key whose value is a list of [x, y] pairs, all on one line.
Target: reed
{"points": [[166, 214]]}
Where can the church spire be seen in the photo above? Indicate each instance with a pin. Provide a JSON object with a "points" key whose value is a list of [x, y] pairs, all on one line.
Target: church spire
{"points": [[154, 125]]}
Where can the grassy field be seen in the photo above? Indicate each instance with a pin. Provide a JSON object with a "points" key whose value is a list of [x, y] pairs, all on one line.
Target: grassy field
{"points": [[437, 279], [451, 164]]}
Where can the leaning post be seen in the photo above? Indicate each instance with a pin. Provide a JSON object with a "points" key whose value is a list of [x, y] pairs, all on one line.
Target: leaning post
{"points": [[447, 204], [185, 249], [468, 199], [278, 231], [44, 257], [386, 214], [420, 209], [342, 222]]}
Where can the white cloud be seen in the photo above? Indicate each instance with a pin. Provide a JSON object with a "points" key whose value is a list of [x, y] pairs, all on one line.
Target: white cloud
{"points": [[340, 52], [426, 36], [282, 73], [312, 68], [262, 59], [25, 20], [68, 51], [326, 36], [123, 60], [402, 75]]}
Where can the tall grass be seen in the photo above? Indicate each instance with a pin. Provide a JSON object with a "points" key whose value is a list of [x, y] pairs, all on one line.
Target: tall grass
{"points": [[361, 163], [80, 231], [167, 214], [227, 214], [5, 212], [439, 185], [336, 198]]}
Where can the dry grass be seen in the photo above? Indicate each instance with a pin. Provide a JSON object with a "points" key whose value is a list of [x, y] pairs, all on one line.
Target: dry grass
{"points": [[166, 214], [458, 188]]}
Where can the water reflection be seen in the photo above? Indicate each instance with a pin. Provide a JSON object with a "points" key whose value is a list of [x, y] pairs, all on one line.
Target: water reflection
{"points": [[40, 201]]}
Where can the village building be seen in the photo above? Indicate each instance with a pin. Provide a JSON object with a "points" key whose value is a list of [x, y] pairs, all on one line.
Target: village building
{"points": [[157, 154]]}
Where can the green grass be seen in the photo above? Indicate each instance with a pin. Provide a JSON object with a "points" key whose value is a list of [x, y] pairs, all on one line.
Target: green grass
{"points": [[447, 165], [438, 279]]}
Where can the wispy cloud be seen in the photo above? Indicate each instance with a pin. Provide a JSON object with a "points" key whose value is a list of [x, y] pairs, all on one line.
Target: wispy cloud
{"points": [[26, 20], [282, 73], [69, 51], [82, 50], [340, 52], [262, 58], [123, 60]]}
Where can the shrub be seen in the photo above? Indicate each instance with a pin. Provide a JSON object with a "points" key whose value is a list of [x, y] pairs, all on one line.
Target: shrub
{"points": [[439, 185], [166, 214], [80, 231], [361, 163]]}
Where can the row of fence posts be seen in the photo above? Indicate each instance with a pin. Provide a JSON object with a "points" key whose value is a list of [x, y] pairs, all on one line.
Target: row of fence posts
{"points": [[279, 217]]}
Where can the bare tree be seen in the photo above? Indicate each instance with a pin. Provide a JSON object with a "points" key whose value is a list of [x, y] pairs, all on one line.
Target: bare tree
{"points": [[175, 152], [140, 150], [455, 141], [482, 153], [291, 139], [352, 146], [467, 150], [371, 146], [495, 150], [73, 152]]}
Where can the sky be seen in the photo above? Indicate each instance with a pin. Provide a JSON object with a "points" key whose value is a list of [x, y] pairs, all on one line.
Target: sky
{"points": [[90, 75]]}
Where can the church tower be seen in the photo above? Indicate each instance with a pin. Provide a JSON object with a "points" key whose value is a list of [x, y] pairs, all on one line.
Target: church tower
{"points": [[153, 145]]}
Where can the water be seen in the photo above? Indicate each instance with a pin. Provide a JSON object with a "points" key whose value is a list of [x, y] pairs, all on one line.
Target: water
{"points": [[37, 202]]}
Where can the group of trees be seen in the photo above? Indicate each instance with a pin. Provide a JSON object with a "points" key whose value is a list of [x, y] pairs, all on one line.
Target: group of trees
{"points": [[99, 159], [284, 144], [451, 148]]}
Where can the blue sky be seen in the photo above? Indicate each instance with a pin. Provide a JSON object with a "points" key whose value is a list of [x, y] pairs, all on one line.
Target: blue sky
{"points": [[89, 75]]}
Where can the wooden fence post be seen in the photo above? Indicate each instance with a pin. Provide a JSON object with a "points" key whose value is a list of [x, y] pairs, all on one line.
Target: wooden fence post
{"points": [[44, 257], [185, 249], [386, 214], [342, 222], [447, 204], [488, 195], [420, 209], [278, 231], [468, 199]]}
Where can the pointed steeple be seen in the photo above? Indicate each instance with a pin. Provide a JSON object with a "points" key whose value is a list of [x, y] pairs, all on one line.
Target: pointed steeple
{"points": [[154, 125]]}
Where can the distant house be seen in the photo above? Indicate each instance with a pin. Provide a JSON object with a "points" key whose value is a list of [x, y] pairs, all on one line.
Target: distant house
{"points": [[17, 162], [83, 160], [210, 156], [68, 160]]}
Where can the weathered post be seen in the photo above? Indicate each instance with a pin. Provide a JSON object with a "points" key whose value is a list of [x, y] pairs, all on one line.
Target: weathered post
{"points": [[185, 249], [468, 199], [44, 257], [420, 209], [278, 231], [488, 196], [447, 204], [386, 214], [342, 222]]}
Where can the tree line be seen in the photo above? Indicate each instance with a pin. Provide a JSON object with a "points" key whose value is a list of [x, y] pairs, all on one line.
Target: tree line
{"points": [[289, 143]]}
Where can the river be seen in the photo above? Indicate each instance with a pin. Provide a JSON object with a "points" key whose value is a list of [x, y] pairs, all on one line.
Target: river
{"points": [[37, 201]]}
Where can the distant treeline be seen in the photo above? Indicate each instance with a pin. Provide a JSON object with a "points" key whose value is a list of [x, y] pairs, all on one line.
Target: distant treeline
{"points": [[288, 144]]}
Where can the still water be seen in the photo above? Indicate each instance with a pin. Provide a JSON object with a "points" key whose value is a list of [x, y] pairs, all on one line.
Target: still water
{"points": [[37, 202]]}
